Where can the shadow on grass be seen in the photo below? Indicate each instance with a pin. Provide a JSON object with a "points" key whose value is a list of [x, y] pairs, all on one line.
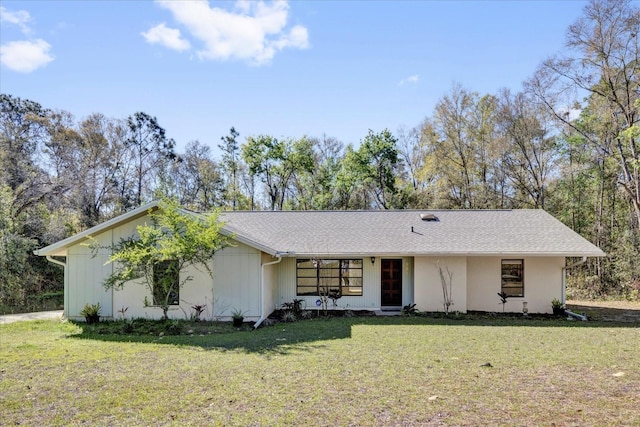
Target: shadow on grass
{"points": [[281, 338], [306, 335]]}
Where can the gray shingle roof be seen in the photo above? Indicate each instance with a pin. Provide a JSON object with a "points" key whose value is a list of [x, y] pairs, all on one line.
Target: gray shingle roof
{"points": [[457, 232]]}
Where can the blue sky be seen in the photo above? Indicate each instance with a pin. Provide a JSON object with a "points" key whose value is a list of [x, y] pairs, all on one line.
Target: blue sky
{"points": [[285, 69]]}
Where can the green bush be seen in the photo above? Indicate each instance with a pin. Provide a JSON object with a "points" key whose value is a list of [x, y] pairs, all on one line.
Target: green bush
{"points": [[91, 313]]}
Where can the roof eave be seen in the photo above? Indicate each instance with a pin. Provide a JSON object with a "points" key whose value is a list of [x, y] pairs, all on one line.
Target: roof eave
{"points": [[436, 254], [249, 242]]}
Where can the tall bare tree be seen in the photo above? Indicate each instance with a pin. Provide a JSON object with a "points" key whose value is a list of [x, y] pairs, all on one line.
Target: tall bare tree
{"points": [[150, 150], [531, 156], [196, 181], [603, 63], [230, 166]]}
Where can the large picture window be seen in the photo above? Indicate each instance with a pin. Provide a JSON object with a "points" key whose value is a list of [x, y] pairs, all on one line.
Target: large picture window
{"points": [[513, 277], [166, 283], [324, 276]]}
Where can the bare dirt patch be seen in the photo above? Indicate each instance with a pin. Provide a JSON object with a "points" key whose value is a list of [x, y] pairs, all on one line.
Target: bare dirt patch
{"points": [[616, 311]]}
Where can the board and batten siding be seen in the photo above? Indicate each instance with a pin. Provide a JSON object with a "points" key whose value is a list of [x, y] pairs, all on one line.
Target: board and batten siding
{"points": [[236, 281], [84, 278], [86, 273], [370, 299], [542, 283], [195, 291], [270, 281]]}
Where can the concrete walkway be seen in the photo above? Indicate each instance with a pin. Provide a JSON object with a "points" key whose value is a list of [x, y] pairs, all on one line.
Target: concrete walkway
{"points": [[10, 318]]}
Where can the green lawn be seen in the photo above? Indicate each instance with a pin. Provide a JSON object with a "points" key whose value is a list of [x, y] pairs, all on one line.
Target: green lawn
{"points": [[341, 371]]}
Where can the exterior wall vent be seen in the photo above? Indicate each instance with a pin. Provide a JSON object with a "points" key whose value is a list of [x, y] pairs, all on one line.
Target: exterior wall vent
{"points": [[428, 217]]}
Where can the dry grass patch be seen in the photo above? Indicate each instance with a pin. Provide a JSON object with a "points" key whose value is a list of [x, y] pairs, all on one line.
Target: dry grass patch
{"points": [[355, 371]]}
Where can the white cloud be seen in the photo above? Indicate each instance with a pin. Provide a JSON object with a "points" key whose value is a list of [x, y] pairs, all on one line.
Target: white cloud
{"points": [[167, 37], [19, 18], [253, 31], [25, 56], [411, 79]]}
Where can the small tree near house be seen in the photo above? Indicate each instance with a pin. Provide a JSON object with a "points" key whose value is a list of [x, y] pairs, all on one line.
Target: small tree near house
{"points": [[162, 251], [446, 280], [328, 289]]}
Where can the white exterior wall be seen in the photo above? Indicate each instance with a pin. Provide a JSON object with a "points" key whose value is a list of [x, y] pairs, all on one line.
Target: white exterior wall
{"points": [[237, 282], [85, 274], [235, 285], [236, 275], [408, 281], [542, 283], [199, 290], [131, 297], [270, 284], [85, 285], [427, 290], [370, 299], [84, 278]]}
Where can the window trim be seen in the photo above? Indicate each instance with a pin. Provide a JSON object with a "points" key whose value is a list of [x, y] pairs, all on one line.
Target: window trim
{"points": [[154, 294], [340, 270], [521, 281]]}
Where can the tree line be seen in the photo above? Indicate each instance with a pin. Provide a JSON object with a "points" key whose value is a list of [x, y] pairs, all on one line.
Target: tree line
{"points": [[567, 142]]}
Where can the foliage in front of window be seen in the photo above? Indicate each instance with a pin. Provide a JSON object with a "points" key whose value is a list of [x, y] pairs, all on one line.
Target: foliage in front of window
{"points": [[324, 277], [295, 307], [513, 277], [162, 251], [166, 283]]}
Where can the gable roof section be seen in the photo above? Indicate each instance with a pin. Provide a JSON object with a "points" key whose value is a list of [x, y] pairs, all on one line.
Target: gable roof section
{"points": [[456, 232], [531, 232]]}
